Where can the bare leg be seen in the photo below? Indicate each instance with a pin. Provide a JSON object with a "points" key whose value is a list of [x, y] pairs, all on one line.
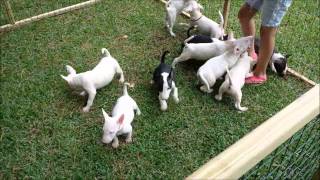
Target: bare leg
{"points": [[247, 22], [268, 35]]}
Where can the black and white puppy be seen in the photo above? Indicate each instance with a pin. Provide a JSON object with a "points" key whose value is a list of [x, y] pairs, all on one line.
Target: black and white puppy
{"points": [[163, 79], [199, 38], [278, 62]]}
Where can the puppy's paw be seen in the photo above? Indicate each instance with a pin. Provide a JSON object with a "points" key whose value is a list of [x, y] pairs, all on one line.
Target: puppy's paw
{"points": [[172, 34], [243, 109], [83, 93], [121, 80], [138, 112], [176, 100], [115, 144], [164, 107], [218, 97], [129, 139], [86, 109], [203, 88]]}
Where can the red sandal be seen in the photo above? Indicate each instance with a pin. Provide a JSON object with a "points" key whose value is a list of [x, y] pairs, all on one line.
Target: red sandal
{"points": [[256, 79]]}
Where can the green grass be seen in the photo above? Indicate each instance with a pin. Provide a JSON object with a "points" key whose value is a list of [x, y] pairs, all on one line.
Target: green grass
{"points": [[43, 132]]}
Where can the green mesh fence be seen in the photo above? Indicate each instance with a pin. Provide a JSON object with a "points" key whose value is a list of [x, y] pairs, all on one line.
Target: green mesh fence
{"points": [[297, 158]]}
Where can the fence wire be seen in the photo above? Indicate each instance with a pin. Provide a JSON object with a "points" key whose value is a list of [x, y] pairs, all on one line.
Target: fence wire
{"points": [[297, 158]]}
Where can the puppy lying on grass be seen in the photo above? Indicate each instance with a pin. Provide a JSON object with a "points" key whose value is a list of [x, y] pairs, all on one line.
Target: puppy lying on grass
{"points": [[278, 62], [88, 82]]}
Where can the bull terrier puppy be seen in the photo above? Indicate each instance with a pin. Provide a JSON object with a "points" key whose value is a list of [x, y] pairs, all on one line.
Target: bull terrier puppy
{"points": [[204, 25], [202, 51], [163, 79], [199, 38], [120, 122], [174, 8], [88, 82], [278, 62], [215, 67], [234, 80]]}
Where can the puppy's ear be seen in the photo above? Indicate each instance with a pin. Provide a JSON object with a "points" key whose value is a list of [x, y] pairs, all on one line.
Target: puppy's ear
{"points": [[287, 56], [120, 120], [65, 78], [171, 74], [200, 7], [105, 115]]}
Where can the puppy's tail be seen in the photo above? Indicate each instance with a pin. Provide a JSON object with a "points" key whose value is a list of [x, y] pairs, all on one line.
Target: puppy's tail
{"points": [[125, 88], [203, 80], [105, 52], [221, 20], [229, 77], [163, 56]]}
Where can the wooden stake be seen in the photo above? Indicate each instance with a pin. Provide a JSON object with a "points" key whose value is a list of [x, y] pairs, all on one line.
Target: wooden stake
{"points": [[8, 10], [226, 8], [300, 76], [20, 23], [255, 146]]}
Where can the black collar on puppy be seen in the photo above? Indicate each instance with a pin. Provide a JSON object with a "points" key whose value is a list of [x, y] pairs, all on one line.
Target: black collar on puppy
{"points": [[196, 19]]}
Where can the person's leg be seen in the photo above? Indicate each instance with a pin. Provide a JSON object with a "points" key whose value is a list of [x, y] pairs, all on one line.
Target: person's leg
{"points": [[272, 13], [267, 35], [247, 23]]}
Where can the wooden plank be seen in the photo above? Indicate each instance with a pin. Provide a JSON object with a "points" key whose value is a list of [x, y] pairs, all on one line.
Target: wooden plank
{"points": [[23, 22], [255, 146]]}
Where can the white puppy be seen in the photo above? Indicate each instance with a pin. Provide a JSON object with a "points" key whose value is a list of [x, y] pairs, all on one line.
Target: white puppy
{"points": [[234, 80], [120, 122], [174, 8], [216, 67], [204, 25], [88, 82], [203, 51]]}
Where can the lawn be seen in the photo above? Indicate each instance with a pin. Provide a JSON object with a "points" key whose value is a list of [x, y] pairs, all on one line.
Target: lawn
{"points": [[43, 132]]}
